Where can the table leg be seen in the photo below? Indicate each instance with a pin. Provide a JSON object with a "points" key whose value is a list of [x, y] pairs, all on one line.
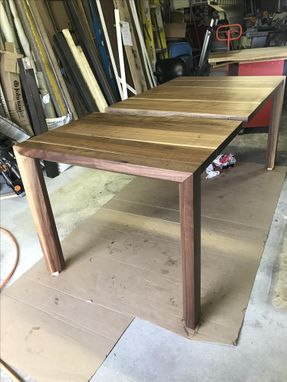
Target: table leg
{"points": [[190, 216], [40, 206], [274, 126]]}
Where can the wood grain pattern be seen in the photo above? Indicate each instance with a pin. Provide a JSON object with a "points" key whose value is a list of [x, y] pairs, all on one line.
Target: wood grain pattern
{"points": [[86, 71], [171, 170], [190, 247], [232, 95], [274, 126], [175, 131], [197, 109], [176, 143], [235, 98], [132, 52], [249, 55], [241, 83], [219, 81], [40, 206]]}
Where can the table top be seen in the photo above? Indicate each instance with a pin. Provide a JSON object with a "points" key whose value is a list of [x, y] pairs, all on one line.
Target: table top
{"points": [[177, 144], [248, 55], [236, 98]]}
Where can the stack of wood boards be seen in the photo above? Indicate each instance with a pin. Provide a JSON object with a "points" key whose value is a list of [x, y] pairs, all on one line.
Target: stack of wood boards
{"points": [[61, 60], [73, 50]]}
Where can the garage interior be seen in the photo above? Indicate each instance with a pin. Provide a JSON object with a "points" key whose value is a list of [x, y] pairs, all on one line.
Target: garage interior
{"points": [[143, 190]]}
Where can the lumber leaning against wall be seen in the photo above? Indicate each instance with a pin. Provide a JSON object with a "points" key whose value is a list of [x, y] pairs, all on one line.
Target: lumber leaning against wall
{"points": [[41, 57], [131, 49], [86, 71], [85, 39]]}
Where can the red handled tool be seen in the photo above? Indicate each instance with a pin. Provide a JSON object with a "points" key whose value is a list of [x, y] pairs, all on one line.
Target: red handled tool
{"points": [[229, 32]]}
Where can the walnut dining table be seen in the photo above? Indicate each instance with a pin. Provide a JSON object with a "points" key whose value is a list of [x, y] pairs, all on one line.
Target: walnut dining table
{"points": [[237, 98], [173, 140]]}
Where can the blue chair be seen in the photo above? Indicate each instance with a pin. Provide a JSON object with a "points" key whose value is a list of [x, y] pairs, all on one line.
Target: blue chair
{"points": [[176, 49]]}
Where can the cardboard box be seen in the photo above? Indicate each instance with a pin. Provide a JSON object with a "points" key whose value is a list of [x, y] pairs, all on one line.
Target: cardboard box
{"points": [[175, 30], [9, 73], [177, 17]]}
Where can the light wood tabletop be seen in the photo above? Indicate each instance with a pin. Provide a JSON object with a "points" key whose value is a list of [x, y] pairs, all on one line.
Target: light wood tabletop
{"points": [[248, 55], [235, 98]]}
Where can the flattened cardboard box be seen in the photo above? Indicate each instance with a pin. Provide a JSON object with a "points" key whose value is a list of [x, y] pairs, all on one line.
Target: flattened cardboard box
{"points": [[175, 30], [125, 261], [12, 88]]}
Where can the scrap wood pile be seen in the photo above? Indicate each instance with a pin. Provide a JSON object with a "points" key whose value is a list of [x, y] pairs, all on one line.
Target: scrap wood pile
{"points": [[60, 60]]}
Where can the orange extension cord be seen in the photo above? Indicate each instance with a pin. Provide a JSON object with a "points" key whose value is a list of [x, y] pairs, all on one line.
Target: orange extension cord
{"points": [[14, 241]]}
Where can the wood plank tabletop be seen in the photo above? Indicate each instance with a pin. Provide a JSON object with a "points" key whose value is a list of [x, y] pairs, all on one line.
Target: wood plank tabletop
{"points": [[235, 98], [249, 55], [173, 143]]}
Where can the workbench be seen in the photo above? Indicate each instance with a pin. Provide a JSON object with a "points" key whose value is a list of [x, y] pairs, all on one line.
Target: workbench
{"points": [[166, 140], [248, 56], [254, 62]]}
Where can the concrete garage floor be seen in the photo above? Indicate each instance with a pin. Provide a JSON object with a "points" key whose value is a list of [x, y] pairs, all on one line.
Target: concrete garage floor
{"points": [[147, 352]]}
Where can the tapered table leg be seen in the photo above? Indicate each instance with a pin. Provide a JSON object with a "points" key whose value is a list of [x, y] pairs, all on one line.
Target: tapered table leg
{"points": [[190, 213], [40, 206], [274, 126]]}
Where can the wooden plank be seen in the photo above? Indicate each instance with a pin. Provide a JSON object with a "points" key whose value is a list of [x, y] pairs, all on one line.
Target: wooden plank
{"points": [[194, 142], [86, 71], [73, 72], [188, 135], [198, 109], [251, 55], [146, 60], [132, 52], [122, 79], [171, 170], [101, 120], [234, 80], [41, 56], [85, 39], [274, 126], [221, 85], [35, 5], [192, 155], [40, 206], [206, 100], [109, 47], [36, 110], [92, 153], [190, 215], [96, 29], [235, 95], [148, 31]]}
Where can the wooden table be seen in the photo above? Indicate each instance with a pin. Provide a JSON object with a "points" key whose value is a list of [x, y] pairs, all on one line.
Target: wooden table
{"points": [[236, 98], [174, 148]]}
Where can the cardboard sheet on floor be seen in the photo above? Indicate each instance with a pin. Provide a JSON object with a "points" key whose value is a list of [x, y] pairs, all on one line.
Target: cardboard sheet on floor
{"points": [[125, 262]]}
